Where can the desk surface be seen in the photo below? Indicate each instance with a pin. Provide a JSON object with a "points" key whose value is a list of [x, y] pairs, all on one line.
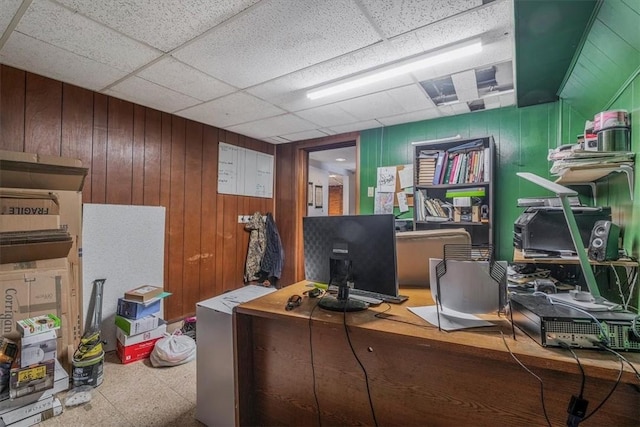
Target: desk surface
{"points": [[296, 367], [396, 319]]}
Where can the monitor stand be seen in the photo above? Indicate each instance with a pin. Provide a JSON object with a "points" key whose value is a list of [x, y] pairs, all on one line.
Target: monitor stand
{"points": [[341, 302]]}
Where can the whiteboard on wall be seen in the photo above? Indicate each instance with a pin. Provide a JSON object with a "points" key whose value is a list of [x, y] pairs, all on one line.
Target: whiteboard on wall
{"points": [[125, 245], [244, 172]]}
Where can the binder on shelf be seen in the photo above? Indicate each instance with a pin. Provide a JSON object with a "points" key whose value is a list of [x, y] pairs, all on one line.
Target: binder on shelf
{"points": [[439, 165]]}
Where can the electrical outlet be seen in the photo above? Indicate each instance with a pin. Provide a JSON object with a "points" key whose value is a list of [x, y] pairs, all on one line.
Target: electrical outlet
{"points": [[243, 219]]}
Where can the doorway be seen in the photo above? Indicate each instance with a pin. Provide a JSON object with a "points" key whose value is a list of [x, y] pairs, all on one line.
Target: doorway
{"points": [[332, 182]]}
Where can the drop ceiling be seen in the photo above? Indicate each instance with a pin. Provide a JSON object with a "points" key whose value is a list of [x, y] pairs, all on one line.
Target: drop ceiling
{"points": [[246, 65]]}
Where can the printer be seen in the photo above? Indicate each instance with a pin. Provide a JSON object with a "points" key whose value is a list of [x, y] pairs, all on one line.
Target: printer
{"points": [[544, 228]]}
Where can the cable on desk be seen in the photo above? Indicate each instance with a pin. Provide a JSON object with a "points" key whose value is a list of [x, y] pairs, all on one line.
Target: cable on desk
{"points": [[382, 316], [608, 395], [575, 356], [364, 371], [624, 359], [544, 408], [313, 368]]}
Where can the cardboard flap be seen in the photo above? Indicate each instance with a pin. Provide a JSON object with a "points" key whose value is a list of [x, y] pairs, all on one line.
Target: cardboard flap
{"points": [[25, 170]]}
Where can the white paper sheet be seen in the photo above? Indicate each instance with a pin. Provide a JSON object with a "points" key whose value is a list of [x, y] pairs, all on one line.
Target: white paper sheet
{"points": [[403, 206], [406, 176], [387, 179], [450, 320]]}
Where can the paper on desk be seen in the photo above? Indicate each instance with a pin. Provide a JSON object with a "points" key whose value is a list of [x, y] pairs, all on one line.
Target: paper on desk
{"points": [[226, 302], [450, 320]]}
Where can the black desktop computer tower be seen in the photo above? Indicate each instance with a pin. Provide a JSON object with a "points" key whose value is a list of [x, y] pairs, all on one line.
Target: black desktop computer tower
{"points": [[545, 229]]}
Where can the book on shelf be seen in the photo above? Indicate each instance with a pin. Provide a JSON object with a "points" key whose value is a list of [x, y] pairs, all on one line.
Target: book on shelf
{"points": [[439, 165]]}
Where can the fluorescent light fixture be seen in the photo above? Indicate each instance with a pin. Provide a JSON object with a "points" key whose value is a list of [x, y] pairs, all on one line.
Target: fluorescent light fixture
{"points": [[430, 141], [341, 159], [398, 70]]}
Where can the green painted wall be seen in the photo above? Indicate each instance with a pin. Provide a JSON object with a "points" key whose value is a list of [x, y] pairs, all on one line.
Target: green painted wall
{"points": [[522, 139], [606, 76]]}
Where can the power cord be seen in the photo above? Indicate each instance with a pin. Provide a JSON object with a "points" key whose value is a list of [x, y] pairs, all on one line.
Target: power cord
{"points": [[577, 408], [544, 408], [313, 369], [615, 385], [364, 371]]}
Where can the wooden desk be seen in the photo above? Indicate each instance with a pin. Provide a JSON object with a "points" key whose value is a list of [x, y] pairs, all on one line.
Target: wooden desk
{"points": [[417, 375]]}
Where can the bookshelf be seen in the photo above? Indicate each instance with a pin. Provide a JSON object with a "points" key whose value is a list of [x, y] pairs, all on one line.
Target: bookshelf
{"points": [[453, 186]]}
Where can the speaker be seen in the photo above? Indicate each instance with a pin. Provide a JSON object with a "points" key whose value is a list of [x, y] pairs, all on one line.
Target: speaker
{"points": [[603, 244]]}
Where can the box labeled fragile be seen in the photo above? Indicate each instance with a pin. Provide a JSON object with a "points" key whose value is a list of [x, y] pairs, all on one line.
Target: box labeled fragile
{"points": [[127, 340], [132, 353], [137, 326], [38, 348], [137, 310], [38, 325]]}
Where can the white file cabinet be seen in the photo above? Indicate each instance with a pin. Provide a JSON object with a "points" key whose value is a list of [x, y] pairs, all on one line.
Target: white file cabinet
{"points": [[215, 387]]}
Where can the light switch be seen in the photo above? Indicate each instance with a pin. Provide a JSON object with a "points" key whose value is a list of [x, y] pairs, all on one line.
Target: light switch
{"points": [[370, 191]]}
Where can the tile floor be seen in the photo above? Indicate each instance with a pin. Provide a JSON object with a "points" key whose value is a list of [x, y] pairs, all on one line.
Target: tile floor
{"points": [[136, 394]]}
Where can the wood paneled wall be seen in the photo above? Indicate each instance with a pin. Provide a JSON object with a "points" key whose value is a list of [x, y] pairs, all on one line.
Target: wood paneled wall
{"points": [[140, 156]]}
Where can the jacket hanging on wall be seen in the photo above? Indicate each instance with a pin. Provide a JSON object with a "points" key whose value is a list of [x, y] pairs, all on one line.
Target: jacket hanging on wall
{"points": [[273, 259], [257, 246]]}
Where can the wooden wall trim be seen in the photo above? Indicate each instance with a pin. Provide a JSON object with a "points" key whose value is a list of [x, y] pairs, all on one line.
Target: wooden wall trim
{"points": [[291, 200]]}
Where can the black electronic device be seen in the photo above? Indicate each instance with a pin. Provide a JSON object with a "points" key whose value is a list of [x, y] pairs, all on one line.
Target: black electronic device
{"points": [[603, 244], [550, 324], [351, 249], [545, 229]]}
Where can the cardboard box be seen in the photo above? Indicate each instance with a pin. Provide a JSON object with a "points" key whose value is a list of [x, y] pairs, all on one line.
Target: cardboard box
{"points": [[54, 411], [20, 202], [38, 325], [29, 222], [143, 293], [32, 379], [33, 251], [31, 289], [127, 340], [61, 383], [135, 352], [25, 411], [28, 170], [138, 326], [136, 310], [38, 348]]}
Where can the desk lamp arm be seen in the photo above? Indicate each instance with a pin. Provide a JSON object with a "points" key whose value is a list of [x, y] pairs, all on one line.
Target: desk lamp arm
{"points": [[563, 194]]}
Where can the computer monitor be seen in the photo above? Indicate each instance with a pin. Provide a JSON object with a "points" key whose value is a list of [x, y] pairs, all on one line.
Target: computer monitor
{"points": [[363, 250]]}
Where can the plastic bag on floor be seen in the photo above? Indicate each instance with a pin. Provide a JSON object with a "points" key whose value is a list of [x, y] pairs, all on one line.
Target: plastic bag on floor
{"points": [[173, 350]]}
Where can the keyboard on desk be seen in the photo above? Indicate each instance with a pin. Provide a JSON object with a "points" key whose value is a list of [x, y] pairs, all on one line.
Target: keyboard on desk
{"points": [[386, 298]]}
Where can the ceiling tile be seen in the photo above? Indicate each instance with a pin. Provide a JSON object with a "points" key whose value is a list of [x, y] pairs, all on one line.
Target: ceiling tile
{"points": [[143, 92], [60, 27], [491, 102], [7, 11], [460, 108], [273, 126], [300, 34], [491, 17], [508, 99], [163, 24], [466, 85], [179, 77], [231, 110], [353, 127], [414, 116], [411, 98], [371, 106], [397, 17], [301, 136], [38, 57], [327, 115]]}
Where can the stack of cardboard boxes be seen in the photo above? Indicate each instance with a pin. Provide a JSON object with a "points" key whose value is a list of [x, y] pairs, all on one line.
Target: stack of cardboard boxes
{"points": [[139, 323], [40, 240]]}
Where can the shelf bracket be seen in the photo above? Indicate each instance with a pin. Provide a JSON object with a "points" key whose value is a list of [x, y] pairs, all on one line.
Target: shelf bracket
{"points": [[630, 178]]}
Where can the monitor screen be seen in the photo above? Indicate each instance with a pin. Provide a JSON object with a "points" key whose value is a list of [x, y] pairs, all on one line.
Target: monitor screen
{"points": [[368, 241]]}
